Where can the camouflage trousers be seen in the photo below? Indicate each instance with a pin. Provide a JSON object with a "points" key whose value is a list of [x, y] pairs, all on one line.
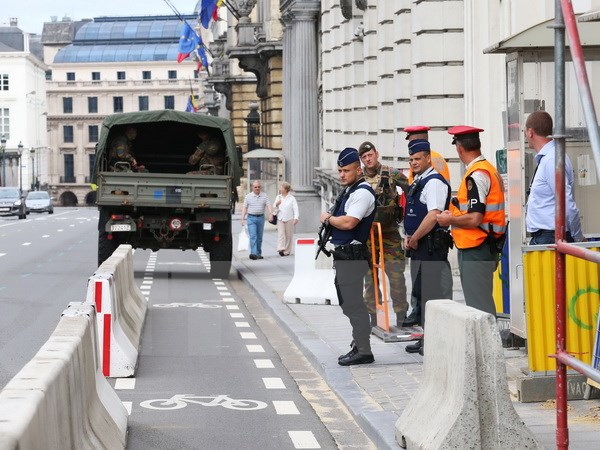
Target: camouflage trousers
{"points": [[395, 263]]}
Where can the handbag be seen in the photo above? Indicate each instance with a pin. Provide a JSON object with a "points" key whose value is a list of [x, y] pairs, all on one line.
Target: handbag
{"points": [[273, 220], [243, 241]]}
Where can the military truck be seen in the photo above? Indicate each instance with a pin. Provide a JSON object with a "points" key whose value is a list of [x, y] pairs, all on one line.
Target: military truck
{"points": [[163, 201]]}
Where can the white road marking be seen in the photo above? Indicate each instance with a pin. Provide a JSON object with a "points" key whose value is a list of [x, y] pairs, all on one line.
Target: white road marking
{"points": [[255, 348], [228, 300], [46, 236], [303, 439], [226, 306], [273, 383], [125, 383], [264, 364], [222, 288], [128, 406], [2, 254], [248, 335], [60, 231], [225, 294], [26, 244], [237, 315], [219, 283], [285, 408], [147, 282], [242, 324], [72, 225], [148, 278]]}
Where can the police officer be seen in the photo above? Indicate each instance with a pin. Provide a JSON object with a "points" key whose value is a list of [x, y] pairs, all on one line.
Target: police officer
{"points": [[427, 242], [350, 226], [384, 180], [437, 161], [477, 219]]}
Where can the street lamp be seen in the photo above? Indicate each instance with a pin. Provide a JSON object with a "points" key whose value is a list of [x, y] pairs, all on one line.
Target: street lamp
{"points": [[32, 152], [20, 147], [3, 142]]}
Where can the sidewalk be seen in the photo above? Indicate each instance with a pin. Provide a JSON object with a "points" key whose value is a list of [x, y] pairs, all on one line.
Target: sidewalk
{"points": [[377, 393]]}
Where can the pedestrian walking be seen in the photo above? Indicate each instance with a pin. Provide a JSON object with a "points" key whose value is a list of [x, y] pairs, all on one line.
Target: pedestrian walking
{"points": [[285, 208], [426, 242], [350, 225], [542, 194], [477, 218], [384, 180], [254, 207]]}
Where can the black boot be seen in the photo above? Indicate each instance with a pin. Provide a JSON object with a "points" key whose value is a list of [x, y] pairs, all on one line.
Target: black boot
{"points": [[417, 347], [353, 351]]}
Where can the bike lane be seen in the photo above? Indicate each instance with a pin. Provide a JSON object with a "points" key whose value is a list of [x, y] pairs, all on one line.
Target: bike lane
{"points": [[207, 377]]}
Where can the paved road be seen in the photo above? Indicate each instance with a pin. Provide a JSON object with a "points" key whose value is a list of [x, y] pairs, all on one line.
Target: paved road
{"points": [[45, 261], [215, 370]]}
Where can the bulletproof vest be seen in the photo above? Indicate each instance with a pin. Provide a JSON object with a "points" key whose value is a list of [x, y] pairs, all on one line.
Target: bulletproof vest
{"points": [[415, 210], [362, 230]]}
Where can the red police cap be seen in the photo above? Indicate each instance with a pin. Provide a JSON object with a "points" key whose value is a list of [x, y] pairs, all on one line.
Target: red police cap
{"points": [[416, 129], [464, 132]]}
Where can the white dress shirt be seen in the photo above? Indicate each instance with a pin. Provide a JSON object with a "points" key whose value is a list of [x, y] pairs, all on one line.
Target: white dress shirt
{"points": [[542, 197], [434, 193]]}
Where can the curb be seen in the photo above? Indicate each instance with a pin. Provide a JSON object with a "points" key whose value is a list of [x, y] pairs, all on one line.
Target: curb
{"points": [[377, 424]]}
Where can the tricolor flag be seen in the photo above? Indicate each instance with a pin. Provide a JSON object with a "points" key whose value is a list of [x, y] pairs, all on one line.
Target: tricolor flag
{"points": [[208, 10], [188, 42]]}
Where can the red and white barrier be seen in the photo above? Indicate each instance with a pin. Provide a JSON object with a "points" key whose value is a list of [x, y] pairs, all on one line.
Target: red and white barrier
{"points": [[312, 282], [120, 313], [60, 399]]}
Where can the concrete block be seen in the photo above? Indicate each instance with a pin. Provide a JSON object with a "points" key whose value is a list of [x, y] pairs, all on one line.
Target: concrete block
{"points": [[541, 388], [464, 400], [60, 399]]}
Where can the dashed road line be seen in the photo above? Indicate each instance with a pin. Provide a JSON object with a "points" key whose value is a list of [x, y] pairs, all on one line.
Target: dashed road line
{"points": [[228, 300], [273, 383], [283, 408], [226, 306], [26, 244], [303, 439], [125, 383], [237, 315], [255, 348], [264, 364], [248, 335], [241, 324]]}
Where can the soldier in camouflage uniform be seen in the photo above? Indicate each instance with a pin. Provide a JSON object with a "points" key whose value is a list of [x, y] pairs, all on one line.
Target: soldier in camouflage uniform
{"points": [[121, 157], [209, 155], [384, 180]]}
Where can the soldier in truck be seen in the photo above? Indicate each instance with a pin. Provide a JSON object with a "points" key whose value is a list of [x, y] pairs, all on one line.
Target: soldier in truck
{"points": [[121, 157], [209, 155]]}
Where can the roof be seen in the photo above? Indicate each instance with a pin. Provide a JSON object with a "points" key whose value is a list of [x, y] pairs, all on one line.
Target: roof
{"points": [[131, 38], [541, 37]]}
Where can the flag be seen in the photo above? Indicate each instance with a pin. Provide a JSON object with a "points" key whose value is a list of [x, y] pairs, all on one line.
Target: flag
{"points": [[188, 42], [191, 104], [208, 10]]}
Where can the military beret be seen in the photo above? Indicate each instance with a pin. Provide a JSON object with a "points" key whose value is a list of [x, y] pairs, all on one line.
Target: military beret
{"points": [[365, 147], [347, 156], [416, 129], [418, 145], [464, 132]]}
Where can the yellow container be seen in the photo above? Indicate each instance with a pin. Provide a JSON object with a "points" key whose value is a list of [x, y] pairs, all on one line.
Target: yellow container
{"points": [[497, 290], [582, 298]]}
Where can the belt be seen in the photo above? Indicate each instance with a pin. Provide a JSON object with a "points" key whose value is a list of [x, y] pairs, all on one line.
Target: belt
{"points": [[540, 232], [256, 215]]}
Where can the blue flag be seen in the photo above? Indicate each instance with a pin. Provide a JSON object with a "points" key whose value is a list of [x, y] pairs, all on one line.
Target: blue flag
{"points": [[188, 42], [207, 9]]}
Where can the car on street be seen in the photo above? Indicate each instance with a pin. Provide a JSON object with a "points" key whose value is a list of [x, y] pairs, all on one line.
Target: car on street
{"points": [[12, 202], [39, 201]]}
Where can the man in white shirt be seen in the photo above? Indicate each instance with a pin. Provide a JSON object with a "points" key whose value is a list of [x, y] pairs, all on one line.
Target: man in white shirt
{"points": [[540, 216]]}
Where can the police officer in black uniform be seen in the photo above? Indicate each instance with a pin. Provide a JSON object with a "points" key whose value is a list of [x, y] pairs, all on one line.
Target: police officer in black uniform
{"points": [[427, 243], [350, 224]]}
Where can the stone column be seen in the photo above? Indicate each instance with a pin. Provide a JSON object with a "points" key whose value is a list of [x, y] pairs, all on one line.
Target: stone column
{"points": [[300, 97]]}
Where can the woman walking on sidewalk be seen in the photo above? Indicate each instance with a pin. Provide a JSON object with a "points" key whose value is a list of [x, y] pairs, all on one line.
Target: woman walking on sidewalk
{"points": [[286, 209]]}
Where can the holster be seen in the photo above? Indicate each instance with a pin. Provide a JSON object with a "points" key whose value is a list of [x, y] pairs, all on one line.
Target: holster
{"points": [[442, 240], [350, 252]]}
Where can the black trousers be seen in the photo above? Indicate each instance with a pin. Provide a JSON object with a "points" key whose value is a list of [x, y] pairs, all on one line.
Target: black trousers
{"points": [[431, 277], [349, 277]]}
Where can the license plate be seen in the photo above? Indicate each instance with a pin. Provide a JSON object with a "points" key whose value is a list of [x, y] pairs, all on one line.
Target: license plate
{"points": [[120, 227]]}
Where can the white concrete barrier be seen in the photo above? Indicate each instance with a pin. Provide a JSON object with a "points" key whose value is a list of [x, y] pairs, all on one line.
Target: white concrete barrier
{"points": [[120, 312], [60, 399], [312, 282], [463, 401]]}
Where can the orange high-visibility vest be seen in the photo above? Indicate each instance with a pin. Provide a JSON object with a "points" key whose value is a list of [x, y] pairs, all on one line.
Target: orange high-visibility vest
{"points": [[493, 220], [438, 163]]}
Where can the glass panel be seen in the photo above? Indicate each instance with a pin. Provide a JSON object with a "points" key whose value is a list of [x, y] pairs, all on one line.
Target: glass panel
{"points": [[69, 169], [130, 30], [68, 133], [156, 30]]}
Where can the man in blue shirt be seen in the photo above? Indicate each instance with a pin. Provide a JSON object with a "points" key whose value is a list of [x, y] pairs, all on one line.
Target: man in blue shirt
{"points": [[540, 216]]}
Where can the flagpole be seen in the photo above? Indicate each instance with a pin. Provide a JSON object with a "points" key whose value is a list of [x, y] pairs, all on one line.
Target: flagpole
{"points": [[231, 10]]}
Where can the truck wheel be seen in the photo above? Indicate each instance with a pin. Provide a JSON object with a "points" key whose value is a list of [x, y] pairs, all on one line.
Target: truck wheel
{"points": [[106, 247], [220, 254]]}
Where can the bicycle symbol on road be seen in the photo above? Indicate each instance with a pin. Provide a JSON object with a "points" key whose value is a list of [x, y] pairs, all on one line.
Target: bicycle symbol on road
{"points": [[186, 305], [179, 401]]}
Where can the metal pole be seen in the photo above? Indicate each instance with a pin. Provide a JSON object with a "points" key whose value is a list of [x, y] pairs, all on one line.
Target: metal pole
{"points": [[562, 430], [32, 170]]}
